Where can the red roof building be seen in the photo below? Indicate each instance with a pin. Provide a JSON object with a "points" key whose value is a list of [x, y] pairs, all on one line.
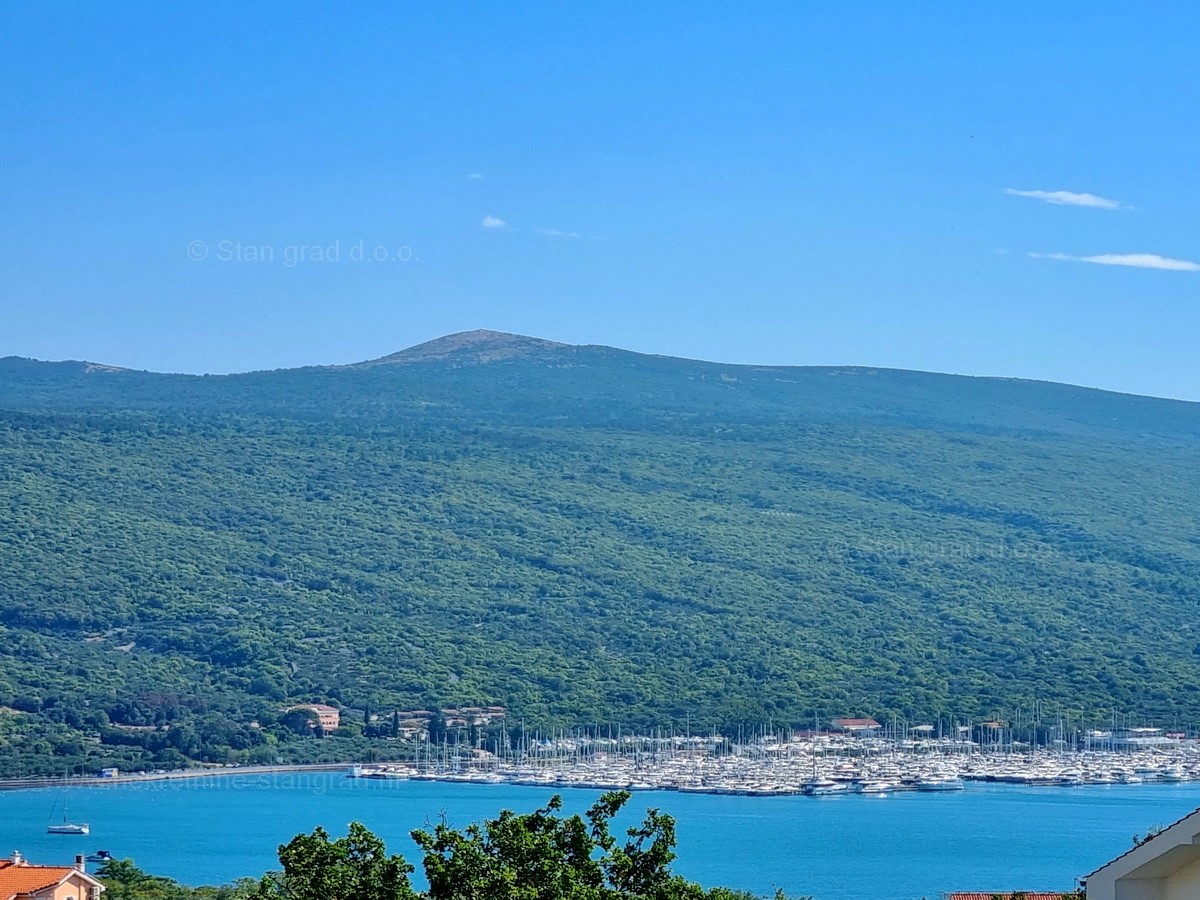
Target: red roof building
{"points": [[329, 717], [19, 880]]}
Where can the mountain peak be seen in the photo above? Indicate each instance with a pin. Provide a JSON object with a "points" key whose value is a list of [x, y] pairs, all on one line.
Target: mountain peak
{"points": [[467, 348]]}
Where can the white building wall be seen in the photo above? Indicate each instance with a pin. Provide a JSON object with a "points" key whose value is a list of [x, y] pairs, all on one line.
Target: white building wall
{"points": [[1130, 889], [1169, 865], [1184, 884]]}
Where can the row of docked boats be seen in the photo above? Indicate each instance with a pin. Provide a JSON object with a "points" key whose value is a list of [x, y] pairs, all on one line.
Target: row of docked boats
{"points": [[1051, 776], [757, 784], [749, 771]]}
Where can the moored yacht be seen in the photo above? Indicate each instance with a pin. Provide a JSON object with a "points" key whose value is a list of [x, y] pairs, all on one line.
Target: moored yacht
{"points": [[874, 787], [818, 787], [940, 783]]}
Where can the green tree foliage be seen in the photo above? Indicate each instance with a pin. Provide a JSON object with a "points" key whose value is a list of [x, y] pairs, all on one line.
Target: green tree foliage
{"points": [[525, 857], [301, 721], [583, 536], [123, 880], [349, 868], [536, 856]]}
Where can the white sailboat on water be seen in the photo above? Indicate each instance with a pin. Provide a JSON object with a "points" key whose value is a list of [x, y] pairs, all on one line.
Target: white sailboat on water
{"points": [[65, 826]]}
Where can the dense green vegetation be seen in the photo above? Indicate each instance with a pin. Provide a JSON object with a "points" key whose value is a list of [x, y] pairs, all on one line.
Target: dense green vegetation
{"points": [[535, 856], [123, 880], [584, 536]]}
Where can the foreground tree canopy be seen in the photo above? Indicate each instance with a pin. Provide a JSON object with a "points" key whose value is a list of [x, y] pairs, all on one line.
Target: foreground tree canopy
{"points": [[542, 855]]}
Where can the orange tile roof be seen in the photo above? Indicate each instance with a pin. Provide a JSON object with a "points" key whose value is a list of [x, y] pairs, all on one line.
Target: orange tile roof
{"points": [[1005, 895], [26, 879]]}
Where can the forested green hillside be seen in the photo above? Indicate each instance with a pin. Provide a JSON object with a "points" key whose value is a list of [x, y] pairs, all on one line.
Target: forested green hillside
{"points": [[583, 535]]}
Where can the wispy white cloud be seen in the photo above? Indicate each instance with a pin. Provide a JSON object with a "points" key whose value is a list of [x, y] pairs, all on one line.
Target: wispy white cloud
{"points": [[1068, 198], [493, 222], [1134, 260], [554, 232], [476, 175]]}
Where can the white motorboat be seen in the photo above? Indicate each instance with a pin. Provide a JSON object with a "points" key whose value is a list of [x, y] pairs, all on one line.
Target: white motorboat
{"points": [[940, 783], [875, 787], [819, 787]]}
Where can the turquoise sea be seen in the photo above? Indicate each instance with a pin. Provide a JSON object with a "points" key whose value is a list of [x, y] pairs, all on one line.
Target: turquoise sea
{"points": [[907, 845]]}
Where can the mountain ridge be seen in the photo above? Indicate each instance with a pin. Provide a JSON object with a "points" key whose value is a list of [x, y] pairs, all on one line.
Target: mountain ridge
{"points": [[582, 535], [483, 346]]}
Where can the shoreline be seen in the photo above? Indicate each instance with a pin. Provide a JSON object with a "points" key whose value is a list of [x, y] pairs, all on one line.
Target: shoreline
{"points": [[812, 767], [564, 779], [64, 781]]}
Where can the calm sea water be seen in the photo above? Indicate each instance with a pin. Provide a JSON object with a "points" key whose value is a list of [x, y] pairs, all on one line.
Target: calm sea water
{"points": [[907, 845]]}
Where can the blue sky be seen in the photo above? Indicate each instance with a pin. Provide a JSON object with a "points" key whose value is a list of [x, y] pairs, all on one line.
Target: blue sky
{"points": [[788, 183]]}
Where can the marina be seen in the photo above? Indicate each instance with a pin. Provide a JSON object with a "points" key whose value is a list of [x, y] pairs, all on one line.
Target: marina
{"points": [[827, 815], [812, 765]]}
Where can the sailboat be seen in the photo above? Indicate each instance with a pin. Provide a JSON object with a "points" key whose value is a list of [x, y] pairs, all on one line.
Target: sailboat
{"points": [[66, 827]]}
